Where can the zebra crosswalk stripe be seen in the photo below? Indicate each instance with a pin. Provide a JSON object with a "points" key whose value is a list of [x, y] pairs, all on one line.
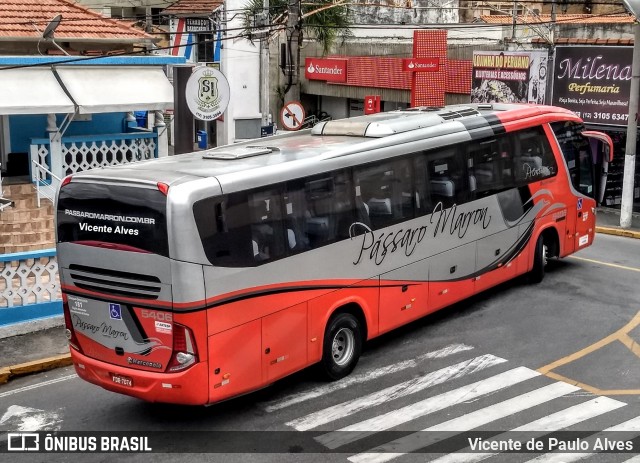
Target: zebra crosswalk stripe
{"points": [[415, 441], [424, 407], [554, 422], [405, 388], [418, 440], [363, 377], [632, 425]]}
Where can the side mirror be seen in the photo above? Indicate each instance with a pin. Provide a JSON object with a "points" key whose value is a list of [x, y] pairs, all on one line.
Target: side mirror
{"points": [[604, 140]]}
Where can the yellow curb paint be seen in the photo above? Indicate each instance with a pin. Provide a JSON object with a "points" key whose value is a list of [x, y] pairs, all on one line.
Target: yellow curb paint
{"points": [[618, 232], [40, 365], [608, 264], [5, 374], [621, 335]]}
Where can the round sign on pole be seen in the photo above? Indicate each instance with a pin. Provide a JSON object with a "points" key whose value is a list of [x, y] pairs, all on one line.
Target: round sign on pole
{"points": [[207, 93], [292, 115]]}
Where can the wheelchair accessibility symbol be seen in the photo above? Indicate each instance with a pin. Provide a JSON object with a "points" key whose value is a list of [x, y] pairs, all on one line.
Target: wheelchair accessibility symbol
{"points": [[579, 204], [115, 311]]}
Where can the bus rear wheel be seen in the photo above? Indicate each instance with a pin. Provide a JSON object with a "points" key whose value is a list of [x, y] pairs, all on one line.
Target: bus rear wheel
{"points": [[539, 261], [342, 345]]}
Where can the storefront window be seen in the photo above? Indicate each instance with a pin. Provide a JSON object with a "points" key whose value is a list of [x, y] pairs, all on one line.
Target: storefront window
{"points": [[613, 189]]}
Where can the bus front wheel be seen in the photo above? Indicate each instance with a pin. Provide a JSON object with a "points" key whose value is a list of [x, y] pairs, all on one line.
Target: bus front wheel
{"points": [[539, 261], [342, 345]]}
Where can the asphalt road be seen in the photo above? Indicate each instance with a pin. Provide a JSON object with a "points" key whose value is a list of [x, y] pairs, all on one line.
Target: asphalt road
{"points": [[558, 355]]}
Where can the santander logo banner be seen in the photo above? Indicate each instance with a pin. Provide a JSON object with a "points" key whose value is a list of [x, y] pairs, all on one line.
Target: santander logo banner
{"points": [[331, 70], [421, 64]]}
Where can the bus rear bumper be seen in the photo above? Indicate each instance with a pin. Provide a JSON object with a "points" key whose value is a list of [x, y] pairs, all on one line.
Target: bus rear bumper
{"points": [[189, 387]]}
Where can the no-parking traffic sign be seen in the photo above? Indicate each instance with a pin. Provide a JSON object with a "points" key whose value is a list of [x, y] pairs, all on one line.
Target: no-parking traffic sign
{"points": [[292, 115]]}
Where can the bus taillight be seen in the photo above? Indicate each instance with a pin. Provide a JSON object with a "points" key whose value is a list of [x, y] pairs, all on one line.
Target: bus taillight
{"points": [[185, 353], [65, 181], [163, 188], [70, 333]]}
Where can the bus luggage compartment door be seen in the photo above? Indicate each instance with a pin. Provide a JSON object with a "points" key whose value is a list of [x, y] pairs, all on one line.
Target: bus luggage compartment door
{"points": [[284, 342], [451, 276], [403, 295], [493, 264], [234, 361]]}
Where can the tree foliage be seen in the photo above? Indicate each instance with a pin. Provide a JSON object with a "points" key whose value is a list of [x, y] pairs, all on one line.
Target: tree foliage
{"points": [[325, 20]]}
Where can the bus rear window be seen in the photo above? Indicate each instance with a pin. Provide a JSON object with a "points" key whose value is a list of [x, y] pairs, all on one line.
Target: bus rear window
{"points": [[132, 218]]}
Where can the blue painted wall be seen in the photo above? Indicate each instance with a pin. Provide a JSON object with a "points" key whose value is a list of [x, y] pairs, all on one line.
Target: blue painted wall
{"points": [[24, 128], [99, 123]]}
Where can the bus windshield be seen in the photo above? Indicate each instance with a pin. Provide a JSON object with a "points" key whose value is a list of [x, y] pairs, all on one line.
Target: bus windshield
{"points": [[577, 153], [125, 217]]}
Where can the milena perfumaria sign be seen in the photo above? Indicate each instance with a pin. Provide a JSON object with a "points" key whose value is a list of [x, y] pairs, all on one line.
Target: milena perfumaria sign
{"points": [[207, 93], [594, 82]]}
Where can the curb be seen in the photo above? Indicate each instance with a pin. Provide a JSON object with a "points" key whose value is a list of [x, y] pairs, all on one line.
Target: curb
{"points": [[618, 232], [36, 366]]}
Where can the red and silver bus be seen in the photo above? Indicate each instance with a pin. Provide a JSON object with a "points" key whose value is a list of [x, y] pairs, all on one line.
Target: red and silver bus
{"points": [[195, 278]]}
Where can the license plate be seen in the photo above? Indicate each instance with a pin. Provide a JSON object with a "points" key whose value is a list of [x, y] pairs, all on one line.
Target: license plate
{"points": [[122, 380]]}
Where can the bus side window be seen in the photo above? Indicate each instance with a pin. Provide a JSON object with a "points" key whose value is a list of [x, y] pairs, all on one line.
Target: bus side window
{"points": [[223, 226], [319, 221], [267, 234], [295, 208], [422, 199], [490, 167], [346, 211], [534, 159], [446, 178], [483, 166], [404, 192], [386, 192], [323, 210]]}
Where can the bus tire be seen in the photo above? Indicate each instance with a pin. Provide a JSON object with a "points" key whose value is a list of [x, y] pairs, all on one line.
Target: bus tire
{"points": [[536, 275], [342, 345]]}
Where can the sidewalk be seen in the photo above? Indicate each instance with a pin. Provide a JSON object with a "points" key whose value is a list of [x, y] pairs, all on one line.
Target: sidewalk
{"points": [[42, 345], [608, 221]]}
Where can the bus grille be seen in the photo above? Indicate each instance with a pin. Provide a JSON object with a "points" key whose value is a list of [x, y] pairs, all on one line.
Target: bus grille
{"points": [[115, 282]]}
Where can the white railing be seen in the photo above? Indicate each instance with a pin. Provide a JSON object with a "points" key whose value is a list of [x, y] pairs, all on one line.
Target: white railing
{"points": [[78, 153], [90, 152], [313, 119], [29, 286], [4, 202], [45, 181]]}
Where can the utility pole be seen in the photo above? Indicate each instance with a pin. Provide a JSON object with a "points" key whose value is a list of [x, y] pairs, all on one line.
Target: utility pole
{"points": [[552, 53], [514, 14], [626, 208], [264, 67], [294, 39]]}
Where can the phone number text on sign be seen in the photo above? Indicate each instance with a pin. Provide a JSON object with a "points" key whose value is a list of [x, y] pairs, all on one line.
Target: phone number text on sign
{"points": [[587, 116]]}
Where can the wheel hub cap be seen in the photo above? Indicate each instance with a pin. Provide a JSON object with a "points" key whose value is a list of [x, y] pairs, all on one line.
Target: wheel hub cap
{"points": [[342, 346]]}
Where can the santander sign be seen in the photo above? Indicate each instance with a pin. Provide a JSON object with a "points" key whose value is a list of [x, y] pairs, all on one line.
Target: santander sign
{"points": [[330, 70]]}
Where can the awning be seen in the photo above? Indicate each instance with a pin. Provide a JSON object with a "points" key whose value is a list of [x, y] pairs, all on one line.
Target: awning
{"points": [[32, 91], [117, 88]]}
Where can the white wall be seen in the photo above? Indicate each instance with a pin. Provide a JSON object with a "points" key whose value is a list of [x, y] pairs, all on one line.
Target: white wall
{"points": [[414, 12], [457, 33], [335, 107], [241, 65]]}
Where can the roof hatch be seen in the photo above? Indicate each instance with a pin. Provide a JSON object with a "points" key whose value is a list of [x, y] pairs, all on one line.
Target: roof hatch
{"points": [[229, 153], [389, 123]]}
